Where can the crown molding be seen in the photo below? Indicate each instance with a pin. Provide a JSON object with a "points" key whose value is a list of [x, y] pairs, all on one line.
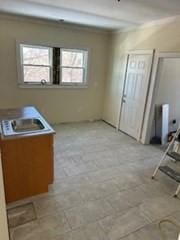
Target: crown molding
{"points": [[72, 26], [52, 23]]}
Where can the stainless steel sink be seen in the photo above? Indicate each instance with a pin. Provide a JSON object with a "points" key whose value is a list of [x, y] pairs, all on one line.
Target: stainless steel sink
{"points": [[27, 124], [23, 126]]}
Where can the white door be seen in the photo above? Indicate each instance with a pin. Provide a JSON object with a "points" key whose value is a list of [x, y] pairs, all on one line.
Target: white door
{"points": [[4, 235], [135, 93]]}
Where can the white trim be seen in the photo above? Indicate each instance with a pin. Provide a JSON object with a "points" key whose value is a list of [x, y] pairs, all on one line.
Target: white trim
{"points": [[153, 94], [84, 67], [51, 45], [121, 102], [54, 23], [20, 64], [53, 86], [50, 85], [169, 55], [98, 30], [141, 51]]}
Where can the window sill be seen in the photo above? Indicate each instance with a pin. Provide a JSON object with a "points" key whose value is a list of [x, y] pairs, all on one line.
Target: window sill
{"points": [[51, 86]]}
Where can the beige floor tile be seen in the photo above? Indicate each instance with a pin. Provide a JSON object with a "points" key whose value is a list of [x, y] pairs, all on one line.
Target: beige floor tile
{"points": [[94, 231], [175, 217], [106, 162], [128, 180], [68, 184], [80, 169], [69, 199], [73, 235], [153, 232], [168, 184], [157, 208], [94, 161], [118, 202], [59, 173], [135, 196], [126, 199], [118, 226], [44, 205], [87, 213], [96, 191], [154, 188], [103, 175], [149, 232], [54, 224], [27, 231]]}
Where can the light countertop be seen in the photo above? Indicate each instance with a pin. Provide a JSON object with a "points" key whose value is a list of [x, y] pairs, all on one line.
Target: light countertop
{"points": [[24, 112]]}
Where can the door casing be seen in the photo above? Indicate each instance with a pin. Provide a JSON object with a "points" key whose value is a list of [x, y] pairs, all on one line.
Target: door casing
{"points": [[153, 91]]}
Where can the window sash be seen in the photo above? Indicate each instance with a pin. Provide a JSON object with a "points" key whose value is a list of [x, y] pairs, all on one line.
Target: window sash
{"points": [[83, 67], [51, 65], [36, 65], [73, 50], [37, 82], [73, 67], [73, 83], [39, 47]]}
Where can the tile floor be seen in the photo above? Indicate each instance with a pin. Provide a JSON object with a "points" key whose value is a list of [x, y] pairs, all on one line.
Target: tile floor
{"points": [[102, 190]]}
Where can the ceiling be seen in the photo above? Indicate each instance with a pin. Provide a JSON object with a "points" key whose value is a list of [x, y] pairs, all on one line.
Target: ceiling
{"points": [[108, 14]]}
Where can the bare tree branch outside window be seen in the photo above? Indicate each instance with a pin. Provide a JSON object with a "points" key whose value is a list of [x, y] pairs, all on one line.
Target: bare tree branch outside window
{"points": [[41, 63]]}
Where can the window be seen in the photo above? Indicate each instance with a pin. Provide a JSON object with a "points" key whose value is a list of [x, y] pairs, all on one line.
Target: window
{"points": [[36, 62], [73, 66], [53, 66]]}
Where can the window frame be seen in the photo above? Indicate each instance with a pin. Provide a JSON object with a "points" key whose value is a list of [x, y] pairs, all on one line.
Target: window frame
{"points": [[50, 66], [50, 85], [85, 67]]}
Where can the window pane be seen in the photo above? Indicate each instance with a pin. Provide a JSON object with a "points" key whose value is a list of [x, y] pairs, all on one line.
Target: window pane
{"points": [[71, 75], [36, 56], [72, 58], [36, 74]]}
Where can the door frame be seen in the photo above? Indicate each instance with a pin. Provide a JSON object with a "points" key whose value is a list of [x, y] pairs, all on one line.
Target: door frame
{"points": [[136, 52], [153, 91]]}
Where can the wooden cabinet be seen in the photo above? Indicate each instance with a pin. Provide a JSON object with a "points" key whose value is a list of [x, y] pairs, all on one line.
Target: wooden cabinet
{"points": [[27, 166], [4, 235]]}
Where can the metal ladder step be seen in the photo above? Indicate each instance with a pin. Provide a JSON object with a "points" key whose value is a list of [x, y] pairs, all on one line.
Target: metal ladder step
{"points": [[170, 172], [174, 155]]}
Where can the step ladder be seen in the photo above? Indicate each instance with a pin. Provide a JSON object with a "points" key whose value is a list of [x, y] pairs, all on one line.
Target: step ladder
{"points": [[175, 156]]}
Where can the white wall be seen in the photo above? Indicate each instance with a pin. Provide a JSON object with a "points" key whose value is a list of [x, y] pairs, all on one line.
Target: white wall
{"points": [[58, 105], [169, 87], [164, 38]]}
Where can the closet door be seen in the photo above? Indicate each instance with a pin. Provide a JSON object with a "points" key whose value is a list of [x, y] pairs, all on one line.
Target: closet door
{"points": [[135, 93]]}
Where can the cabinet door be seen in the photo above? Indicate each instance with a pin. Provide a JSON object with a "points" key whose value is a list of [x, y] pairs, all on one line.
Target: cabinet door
{"points": [[28, 166], [3, 217]]}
